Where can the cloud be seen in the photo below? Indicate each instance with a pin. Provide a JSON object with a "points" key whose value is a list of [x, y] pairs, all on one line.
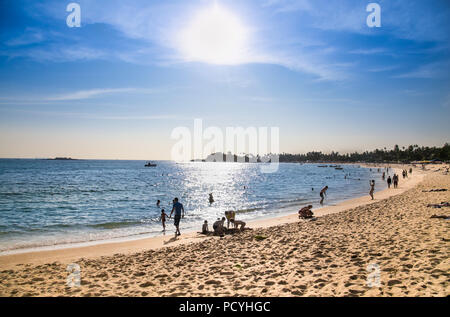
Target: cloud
{"points": [[91, 116], [370, 51], [428, 71], [152, 28], [30, 36], [88, 94], [285, 6], [382, 69], [57, 53]]}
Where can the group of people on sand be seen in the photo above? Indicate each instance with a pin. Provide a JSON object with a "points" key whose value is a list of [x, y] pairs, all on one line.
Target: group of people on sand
{"points": [[218, 225], [405, 173], [393, 180]]}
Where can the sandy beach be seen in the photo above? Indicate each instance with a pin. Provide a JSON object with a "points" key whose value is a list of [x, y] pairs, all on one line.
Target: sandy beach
{"points": [[334, 255]]}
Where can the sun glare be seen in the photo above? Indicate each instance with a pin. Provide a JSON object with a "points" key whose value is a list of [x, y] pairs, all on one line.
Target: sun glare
{"points": [[214, 36]]}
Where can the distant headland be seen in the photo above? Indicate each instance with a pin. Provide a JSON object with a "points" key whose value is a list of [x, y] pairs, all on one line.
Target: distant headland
{"points": [[62, 159]]}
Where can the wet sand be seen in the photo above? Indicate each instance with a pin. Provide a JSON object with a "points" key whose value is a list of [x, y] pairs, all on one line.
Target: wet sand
{"points": [[279, 257]]}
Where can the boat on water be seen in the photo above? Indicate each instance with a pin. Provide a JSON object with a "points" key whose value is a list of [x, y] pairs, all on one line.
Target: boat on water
{"points": [[322, 165], [338, 168], [150, 164]]}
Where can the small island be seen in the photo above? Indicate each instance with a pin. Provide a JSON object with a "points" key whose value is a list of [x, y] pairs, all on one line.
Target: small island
{"points": [[62, 159]]}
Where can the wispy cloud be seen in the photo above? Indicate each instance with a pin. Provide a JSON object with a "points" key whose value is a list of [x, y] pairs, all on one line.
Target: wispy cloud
{"points": [[284, 6], [382, 69], [94, 116], [428, 71], [56, 53], [30, 36], [370, 51], [88, 94], [152, 26]]}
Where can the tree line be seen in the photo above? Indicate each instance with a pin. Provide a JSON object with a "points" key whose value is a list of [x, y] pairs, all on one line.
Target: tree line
{"points": [[397, 154]]}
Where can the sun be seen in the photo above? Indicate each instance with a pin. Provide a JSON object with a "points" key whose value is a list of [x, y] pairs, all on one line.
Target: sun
{"points": [[216, 36]]}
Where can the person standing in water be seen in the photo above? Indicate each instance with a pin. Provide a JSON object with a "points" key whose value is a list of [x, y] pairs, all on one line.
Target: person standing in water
{"points": [[158, 202], [178, 208], [323, 193], [211, 198], [389, 181], [372, 188], [163, 219]]}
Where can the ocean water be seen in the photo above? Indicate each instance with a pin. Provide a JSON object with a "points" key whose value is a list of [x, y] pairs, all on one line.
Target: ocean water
{"points": [[55, 203]]}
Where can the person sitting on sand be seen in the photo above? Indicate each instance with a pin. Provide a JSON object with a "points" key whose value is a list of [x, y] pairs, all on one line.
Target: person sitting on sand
{"points": [[205, 229], [238, 223], [305, 212], [323, 193], [218, 227]]}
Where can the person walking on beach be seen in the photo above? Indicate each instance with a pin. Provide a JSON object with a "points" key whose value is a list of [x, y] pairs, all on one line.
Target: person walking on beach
{"points": [[178, 208], [389, 181], [372, 188], [395, 179], [163, 219], [323, 193]]}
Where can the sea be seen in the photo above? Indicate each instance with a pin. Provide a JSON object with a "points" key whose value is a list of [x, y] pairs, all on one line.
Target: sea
{"points": [[47, 204]]}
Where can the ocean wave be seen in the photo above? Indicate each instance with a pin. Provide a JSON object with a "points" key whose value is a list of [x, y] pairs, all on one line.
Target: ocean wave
{"points": [[115, 225]]}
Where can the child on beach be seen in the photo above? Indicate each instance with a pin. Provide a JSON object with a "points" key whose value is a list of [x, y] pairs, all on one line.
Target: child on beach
{"points": [[205, 229], [163, 219], [372, 188], [323, 193]]}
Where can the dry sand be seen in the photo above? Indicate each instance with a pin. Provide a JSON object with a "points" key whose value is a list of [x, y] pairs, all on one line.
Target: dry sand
{"points": [[279, 257]]}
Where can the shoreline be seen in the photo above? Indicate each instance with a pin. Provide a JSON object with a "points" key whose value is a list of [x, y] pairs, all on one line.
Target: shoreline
{"points": [[70, 253]]}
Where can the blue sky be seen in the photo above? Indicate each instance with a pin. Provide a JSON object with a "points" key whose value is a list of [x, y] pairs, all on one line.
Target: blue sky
{"points": [[117, 86]]}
